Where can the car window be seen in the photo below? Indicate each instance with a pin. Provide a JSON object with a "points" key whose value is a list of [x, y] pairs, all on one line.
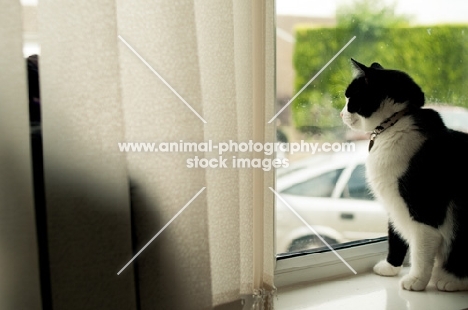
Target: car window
{"points": [[320, 186], [357, 186]]}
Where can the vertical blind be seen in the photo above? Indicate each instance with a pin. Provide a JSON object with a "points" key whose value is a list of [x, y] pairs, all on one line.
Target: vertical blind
{"points": [[19, 264], [102, 206]]}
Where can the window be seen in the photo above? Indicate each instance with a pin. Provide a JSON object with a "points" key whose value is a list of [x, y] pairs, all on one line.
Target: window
{"points": [[321, 186], [328, 188], [356, 187]]}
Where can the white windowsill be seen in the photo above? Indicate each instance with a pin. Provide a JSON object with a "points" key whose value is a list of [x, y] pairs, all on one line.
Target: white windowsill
{"points": [[366, 291]]}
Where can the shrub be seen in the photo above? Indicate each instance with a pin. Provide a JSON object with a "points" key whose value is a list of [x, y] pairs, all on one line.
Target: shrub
{"points": [[436, 57]]}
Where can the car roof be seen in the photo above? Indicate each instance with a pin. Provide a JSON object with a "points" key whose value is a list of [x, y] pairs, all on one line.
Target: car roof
{"points": [[454, 117], [444, 107]]}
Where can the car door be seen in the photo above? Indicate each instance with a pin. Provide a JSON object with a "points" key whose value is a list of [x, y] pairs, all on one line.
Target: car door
{"points": [[311, 199], [360, 216]]}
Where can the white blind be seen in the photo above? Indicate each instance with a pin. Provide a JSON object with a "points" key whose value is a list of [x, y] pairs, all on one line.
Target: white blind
{"points": [[86, 183], [19, 268], [104, 205]]}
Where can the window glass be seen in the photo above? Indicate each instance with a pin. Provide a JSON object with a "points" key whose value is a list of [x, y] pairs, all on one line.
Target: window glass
{"points": [[320, 186], [315, 41], [357, 186]]}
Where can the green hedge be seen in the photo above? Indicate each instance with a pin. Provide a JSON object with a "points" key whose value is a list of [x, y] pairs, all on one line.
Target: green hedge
{"points": [[436, 57]]}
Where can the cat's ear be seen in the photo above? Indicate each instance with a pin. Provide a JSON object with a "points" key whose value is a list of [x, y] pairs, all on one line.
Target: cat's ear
{"points": [[358, 69], [376, 65]]}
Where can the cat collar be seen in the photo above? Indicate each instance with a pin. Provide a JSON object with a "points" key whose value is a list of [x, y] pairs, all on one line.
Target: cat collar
{"points": [[388, 122]]}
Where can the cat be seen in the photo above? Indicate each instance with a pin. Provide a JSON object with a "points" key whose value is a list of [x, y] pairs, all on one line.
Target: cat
{"points": [[418, 169]]}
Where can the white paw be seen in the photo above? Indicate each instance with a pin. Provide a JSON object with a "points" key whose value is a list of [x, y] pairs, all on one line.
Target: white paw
{"points": [[411, 283], [449, 283], [384, 268]]}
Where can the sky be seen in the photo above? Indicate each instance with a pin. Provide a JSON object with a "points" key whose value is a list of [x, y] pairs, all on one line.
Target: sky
{"points": [[423, 11]]}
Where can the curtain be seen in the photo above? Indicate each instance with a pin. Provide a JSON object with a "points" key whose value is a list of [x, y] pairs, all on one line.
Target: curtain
{"points": [[19, 269], [102, 206]]}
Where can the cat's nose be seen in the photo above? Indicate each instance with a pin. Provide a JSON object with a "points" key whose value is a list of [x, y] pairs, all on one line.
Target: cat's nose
{"points": [[341, 114]]}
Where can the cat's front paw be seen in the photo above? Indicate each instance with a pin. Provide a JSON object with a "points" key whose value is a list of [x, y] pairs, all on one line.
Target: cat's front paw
{"points": [[384, 268], [412, 283]]}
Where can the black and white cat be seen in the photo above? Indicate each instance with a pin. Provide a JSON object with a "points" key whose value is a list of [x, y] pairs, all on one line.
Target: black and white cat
{"points": [[418, 169]]}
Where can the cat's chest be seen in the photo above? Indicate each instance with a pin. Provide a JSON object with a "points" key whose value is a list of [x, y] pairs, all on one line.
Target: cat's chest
{"points": [[387, 162], [389, 159], [383, 174]]}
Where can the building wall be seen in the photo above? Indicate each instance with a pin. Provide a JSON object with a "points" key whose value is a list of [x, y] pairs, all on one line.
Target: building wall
{"points": [[284, 52]]}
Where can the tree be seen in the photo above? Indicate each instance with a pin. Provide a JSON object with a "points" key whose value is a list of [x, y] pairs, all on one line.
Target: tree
{"points": [[368, 17]]}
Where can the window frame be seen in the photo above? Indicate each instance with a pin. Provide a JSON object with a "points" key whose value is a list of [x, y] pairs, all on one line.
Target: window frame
{"points": [[321, 264]]}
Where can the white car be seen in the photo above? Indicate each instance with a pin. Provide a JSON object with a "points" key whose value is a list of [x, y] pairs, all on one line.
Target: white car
{"points": [[330, 193]]}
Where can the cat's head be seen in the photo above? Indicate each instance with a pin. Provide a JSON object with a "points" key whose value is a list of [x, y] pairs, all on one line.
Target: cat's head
{"points": [[376, 93]]}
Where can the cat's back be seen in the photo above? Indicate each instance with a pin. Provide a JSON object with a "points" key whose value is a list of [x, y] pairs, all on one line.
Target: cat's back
{"points": [[439, 169], [442, 146], [429, 122]]}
